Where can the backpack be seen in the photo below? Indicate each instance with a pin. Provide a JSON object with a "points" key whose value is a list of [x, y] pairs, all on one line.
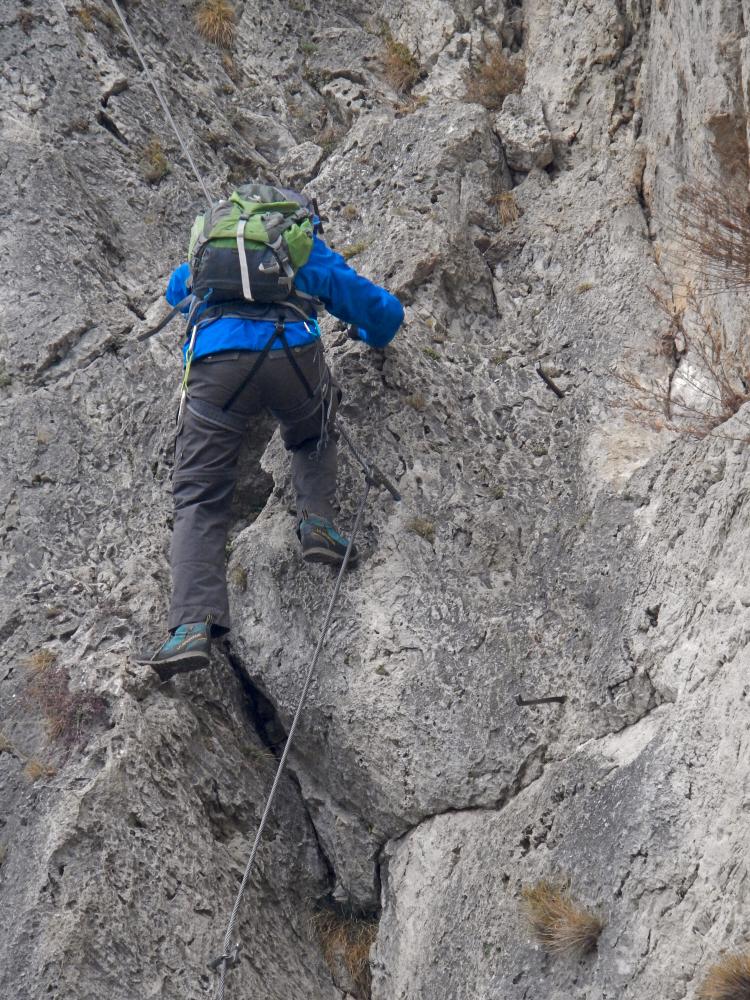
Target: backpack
{"points": [[249, 246]]}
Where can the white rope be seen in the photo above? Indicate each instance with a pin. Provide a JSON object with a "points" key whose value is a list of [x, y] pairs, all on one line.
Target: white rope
{"points": [[161, 100]]}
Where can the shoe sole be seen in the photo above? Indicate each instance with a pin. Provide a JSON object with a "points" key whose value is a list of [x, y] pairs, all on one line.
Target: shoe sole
{"points": [[184, 664], [326, 556]]}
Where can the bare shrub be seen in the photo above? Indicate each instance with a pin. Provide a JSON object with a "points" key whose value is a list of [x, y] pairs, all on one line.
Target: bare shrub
{"points": [[346, 941], [709, 377], [728, 979], [561, 924], [711, 224], [215, 20], [490, 82]]}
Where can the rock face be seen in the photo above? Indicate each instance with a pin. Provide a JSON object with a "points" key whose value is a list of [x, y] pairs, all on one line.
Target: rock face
{"points": [[545, 547], [523, 132]]}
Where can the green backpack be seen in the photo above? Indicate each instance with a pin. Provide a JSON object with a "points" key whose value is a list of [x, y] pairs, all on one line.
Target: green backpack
{"points": [[249, 246]]}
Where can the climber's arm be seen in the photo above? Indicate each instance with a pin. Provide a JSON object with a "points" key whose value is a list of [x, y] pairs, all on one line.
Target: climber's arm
{"points": [[349, 296]]}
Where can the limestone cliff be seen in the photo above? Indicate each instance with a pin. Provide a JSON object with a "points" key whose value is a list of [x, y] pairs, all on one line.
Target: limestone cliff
{"points": [[545, 545]]}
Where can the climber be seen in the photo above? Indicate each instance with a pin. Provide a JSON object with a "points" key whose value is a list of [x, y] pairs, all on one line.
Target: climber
{"points": [[248, 351]]}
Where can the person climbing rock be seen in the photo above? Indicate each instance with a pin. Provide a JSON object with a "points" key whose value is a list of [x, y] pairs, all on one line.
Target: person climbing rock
{"points": [[257, 274]]}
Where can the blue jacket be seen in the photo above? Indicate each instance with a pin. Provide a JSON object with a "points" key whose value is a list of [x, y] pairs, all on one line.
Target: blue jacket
{"points": [[326, 276]]}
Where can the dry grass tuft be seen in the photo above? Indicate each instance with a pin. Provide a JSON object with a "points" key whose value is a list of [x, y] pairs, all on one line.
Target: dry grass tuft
{"points": [[491, 82], [410, 105], [508, 209], [154, 162], [215, 20], [422, 527], [86, 17], [708, 379], [68, 714], [353, 249], [231, 68], [40, 661], [36, 769], [728, 979], [560, 924], [402, 68], [25, 20], [416, 401], [108, 17], [346, 942], [238, 577], [328, 138]]}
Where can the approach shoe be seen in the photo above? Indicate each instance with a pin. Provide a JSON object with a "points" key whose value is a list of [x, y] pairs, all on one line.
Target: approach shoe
{"points": [[322, 543], [188, 648]]}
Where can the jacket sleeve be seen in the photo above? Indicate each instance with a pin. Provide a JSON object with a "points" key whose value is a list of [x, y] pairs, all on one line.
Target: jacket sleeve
{"points": [[349, 296], [179, 286]]}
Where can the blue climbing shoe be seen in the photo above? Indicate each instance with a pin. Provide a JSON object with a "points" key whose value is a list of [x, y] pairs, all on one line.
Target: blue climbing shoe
{"points": [[188, 648], [322, 543]]}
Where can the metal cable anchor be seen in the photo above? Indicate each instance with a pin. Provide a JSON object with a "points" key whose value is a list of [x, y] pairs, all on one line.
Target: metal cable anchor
{"points": [[373, 474], [376, 477], [228, 960]]}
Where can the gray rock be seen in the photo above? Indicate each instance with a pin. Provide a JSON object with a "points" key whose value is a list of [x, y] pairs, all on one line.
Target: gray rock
{"points": [[544, 548], [300, 164], [521, 128]]}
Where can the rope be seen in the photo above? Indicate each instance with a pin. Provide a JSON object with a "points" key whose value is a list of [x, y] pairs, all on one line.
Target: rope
{"points": [[230, 954], [161, 100]]}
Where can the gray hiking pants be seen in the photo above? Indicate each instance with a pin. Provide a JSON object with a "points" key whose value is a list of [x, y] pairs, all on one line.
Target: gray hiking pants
{"points": [[207, 450]]}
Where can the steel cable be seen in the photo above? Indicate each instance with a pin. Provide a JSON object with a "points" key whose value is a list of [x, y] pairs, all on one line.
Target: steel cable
{"points": [[161, 100], [229, 956]]}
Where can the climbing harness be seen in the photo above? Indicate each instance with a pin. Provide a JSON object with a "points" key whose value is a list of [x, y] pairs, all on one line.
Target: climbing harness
{"points": [[160, 99], [280, 335], [230, 954]]}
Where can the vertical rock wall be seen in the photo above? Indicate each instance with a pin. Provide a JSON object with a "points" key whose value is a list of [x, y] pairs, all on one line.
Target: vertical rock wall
{"points": [[544, 546]]}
